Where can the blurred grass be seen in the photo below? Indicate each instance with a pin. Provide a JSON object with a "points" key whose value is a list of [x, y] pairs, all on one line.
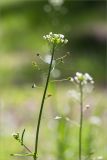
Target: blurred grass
{"points": [[20, 107]]}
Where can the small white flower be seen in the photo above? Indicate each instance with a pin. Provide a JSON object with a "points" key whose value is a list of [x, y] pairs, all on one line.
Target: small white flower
{"points": [[78, 74], [83, 79], [61, 36], [62, 40], [55, 38], [44, 37], [66, 41], [88, 77], [50, 33], [92, 82], [48, 36], [76, 79], [56, 35], [71, 79], [47, 59]]}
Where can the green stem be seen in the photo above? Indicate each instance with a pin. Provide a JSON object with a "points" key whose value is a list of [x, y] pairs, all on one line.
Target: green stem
{"points": [[26, 148], [42, 104], [81, 121]]}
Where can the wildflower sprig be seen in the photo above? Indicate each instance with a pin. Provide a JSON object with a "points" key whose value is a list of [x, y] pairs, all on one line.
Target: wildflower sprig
{"points": [[55, 38], [82, 79], [19, 138]]}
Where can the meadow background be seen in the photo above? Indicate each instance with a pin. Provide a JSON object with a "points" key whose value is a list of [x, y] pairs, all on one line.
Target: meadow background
{"points": [[22, 26]]}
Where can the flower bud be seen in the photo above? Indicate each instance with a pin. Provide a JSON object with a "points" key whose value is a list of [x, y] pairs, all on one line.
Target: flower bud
{"points": [[15, 136]]}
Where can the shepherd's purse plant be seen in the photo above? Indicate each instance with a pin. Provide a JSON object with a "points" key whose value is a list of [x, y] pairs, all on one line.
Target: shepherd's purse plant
{"points": [[54, 40], [80, 79]]}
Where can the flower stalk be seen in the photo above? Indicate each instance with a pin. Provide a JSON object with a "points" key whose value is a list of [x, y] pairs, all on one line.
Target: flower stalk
{"points": [[53, 40], [81, 80], [42, 103], [81, 121]]}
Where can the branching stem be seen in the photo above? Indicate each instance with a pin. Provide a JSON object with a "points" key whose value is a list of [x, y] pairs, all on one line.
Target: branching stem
{"points": [[27, 148]]}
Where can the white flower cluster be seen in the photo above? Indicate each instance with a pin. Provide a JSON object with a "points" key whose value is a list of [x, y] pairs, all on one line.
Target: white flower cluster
{"points": [[55, 38], [81, 78]]}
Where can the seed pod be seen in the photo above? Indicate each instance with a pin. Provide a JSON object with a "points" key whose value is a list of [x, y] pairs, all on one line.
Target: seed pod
{"points": [[34, 85]]}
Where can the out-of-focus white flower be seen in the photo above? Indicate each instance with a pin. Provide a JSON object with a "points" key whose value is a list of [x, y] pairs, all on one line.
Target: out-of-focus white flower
{"points": [[56, 2], [88, 77], [87, 106], [95, 120], [61, 36], [47, 59], [65, 41], [57, 117], [82, 79], [74, 94], [100, 158], [56, 73], [71, 79], [55, 38]]}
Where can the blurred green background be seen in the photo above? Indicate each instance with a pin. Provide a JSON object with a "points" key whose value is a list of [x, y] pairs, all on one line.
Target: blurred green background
{"points": [[22, 26]]}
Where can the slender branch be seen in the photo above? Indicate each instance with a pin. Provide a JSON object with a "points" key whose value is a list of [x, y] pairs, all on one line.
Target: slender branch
{"points": [[21, 141], [22, 136], [26, 148], [81, 121], [61, 57], [42, 104], [58, 80]]}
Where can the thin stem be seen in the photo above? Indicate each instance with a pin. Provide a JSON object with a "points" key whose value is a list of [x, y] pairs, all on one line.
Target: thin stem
{"points": [[26, 148], [81, 121], [42, 104], [23, 143], [58, 80]]}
